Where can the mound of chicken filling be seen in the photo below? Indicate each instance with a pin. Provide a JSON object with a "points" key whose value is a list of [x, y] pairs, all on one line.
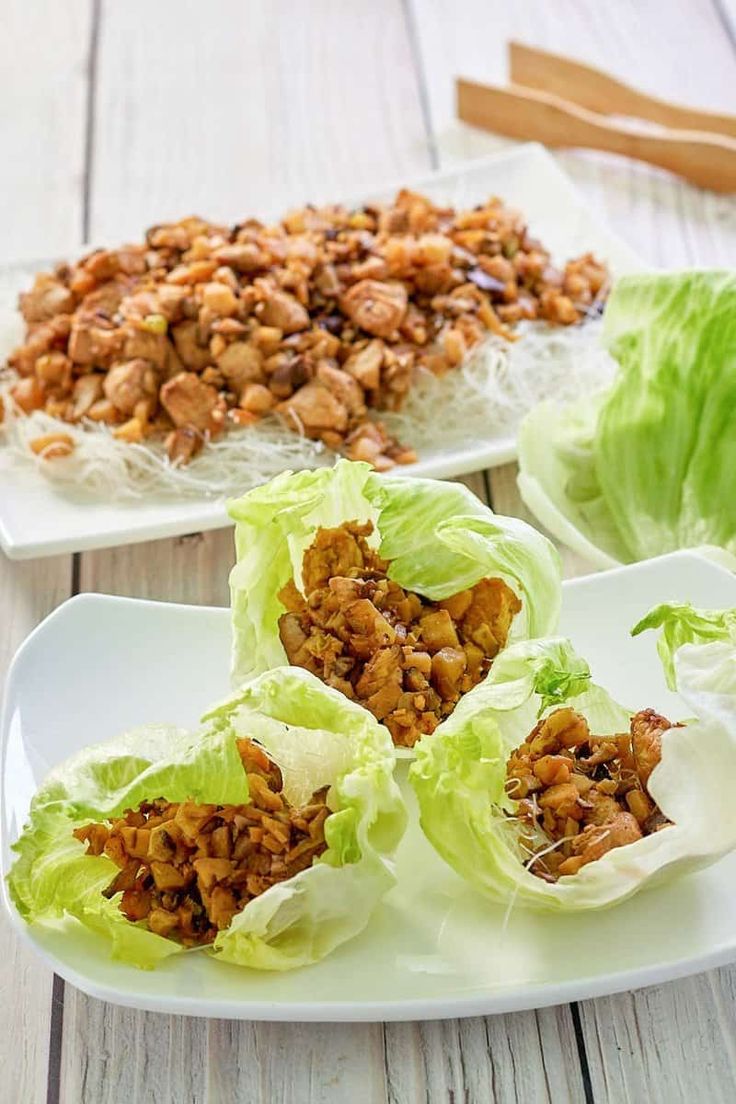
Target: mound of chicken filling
{"points": [[406, 659], [186, 868], [318, 319], [584, 794]]}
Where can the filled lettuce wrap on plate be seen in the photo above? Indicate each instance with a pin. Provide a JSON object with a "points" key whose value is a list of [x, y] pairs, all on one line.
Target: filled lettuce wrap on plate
{"points": [[265, 839], [397, 592], [542, 791]]}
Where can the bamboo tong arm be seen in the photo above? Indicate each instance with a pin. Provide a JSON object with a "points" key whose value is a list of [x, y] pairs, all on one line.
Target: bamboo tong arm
{"points": [[595, 90], [704, 158]]}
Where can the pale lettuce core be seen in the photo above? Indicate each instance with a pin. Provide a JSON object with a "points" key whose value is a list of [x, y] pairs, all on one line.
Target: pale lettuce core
{"points": [[439, 538], [649, 465], [460, 771], [317, 736]]}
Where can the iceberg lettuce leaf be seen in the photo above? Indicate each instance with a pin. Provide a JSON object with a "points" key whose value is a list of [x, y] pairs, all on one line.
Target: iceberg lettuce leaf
{"points": [[317, 736], [460, 771], [438, 536], [648, 466]]}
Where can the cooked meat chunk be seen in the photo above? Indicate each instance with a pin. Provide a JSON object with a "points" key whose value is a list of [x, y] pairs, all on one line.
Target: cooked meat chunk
{"points": [[283, 311], [48, 297], [331, 311], [579, 796], [402, 657], [186, 869], [376, 307], [646, 731], [128, 384], [190, 402]]}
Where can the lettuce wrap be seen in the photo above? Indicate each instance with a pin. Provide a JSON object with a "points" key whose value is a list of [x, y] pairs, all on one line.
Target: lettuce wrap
{"points": [[317, 737], [649, 465], [438, 537], [459, 774]]}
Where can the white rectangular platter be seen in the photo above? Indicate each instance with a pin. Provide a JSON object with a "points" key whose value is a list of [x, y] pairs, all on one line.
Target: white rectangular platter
{"points": [[38, 519], [434, 948]]}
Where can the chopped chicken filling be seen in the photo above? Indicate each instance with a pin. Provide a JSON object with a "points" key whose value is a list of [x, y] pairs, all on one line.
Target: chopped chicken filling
{"points": [[406, 659], [582, 795], [328, 314], [186, 869]]}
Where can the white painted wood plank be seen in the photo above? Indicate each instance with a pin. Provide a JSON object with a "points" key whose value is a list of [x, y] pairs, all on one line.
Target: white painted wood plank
{"points": [[485, 1060], [43, 57], [43, 50], [28, 591], [251, 107], [296, 1063]]}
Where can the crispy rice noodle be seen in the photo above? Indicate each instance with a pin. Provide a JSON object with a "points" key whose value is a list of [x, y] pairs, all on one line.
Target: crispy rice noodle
{"points": [[483, 400]]}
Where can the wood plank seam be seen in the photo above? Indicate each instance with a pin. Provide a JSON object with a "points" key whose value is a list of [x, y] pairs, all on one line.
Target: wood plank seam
{"points": [[726, 13], [89, 128], [421, 79], [56, 1027]]}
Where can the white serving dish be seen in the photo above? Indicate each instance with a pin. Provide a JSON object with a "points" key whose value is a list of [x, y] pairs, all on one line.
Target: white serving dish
{"points": [[434, 948], [38, 519]]}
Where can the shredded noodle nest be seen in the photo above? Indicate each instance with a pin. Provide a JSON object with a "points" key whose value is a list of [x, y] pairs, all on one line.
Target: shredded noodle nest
{"points": [[482, 401]]}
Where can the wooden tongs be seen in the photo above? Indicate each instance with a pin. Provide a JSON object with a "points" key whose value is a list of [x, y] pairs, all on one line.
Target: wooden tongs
{"points": [[561, 102]]}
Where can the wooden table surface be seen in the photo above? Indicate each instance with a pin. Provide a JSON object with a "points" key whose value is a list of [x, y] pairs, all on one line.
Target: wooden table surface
{"points": [[118, 115]]}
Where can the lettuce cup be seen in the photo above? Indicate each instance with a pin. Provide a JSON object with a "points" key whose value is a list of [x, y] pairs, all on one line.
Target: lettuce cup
{"points": [[543, 792], [264, 840], [397, 592]]}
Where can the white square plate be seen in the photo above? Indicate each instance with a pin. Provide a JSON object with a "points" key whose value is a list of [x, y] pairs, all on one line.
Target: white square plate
{"points": [[434, 948], [38, 519]]}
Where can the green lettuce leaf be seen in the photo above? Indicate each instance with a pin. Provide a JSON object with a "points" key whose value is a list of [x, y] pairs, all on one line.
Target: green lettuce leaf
{"points": [[439, 537], [648, 466], [683, 624], [317, 736], [460, 771]]}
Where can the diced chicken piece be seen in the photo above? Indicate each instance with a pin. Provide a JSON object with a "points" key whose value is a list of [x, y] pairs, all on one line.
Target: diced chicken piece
{"points": [[87, 390], [438, 631], [365, 365], [166, 876], [313, 409], [333, 552], [458, 605], [162, 922], [241, 363], [646, 741], [242, 256], [193, 354], [347, 390], [293, 637], [191, 817], [183, 444], [190, 402], [93, 345], [370, 627], [284, 311], [47, 297], [595, 841], [222, 907], [375, 306], [257, 399], [379, 686], [211, 871], [28, 394], [488, 619], [148, 346], [126, 385], [448, 668]]}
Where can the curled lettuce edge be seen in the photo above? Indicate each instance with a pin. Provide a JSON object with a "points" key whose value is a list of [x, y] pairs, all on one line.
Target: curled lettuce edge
{"points": [[439, 538], [293, 923], [645, 466], [459, 776]]}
